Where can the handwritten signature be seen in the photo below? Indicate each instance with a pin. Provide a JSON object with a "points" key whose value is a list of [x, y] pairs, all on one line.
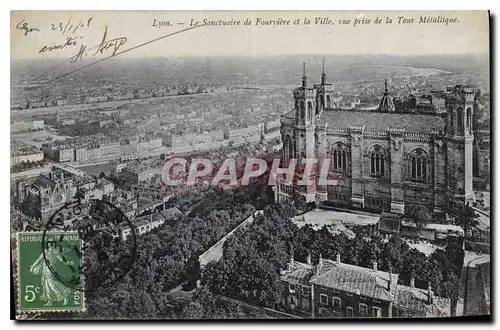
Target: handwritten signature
{"points": [[23, 26], [113, 44]]}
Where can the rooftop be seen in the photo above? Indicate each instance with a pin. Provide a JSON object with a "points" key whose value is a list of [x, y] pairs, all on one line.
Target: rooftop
{"points": [[367, 282], [43, 182], [358, 280], [380, 121], [171, 212], [417, 299]]}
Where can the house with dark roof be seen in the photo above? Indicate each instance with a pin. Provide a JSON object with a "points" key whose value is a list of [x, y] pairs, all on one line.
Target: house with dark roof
{"points": [[380, 160], [332, 289], [48, 193]]}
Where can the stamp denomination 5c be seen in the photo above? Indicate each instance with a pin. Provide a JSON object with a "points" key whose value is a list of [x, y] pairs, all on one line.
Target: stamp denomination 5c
{"points": [[38, 289]]}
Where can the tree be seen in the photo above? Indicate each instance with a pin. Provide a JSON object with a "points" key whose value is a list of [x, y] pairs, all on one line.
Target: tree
{"points": [[455, 254], [414, 263], [419, 214], [451, 290], [465, 217]]}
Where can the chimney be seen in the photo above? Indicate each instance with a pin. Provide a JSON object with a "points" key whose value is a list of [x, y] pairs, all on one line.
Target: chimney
{"points": [[338, 258], [412, 282], [375, 266], [320, 264], [309, 259], [430, 294]]}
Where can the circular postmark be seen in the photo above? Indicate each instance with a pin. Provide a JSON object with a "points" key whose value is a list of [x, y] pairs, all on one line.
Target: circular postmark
{"points": [[94, 242]]}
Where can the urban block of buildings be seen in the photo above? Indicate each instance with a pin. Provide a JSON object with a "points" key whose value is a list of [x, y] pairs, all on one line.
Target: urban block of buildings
{"points": [[26, 126], [41, 198], [21, 153], [97, 149]]}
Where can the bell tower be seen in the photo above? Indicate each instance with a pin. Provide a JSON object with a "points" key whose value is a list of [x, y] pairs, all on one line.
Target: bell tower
{"points": [[324, 98], [305, 126], [459, 138], [304, 102]]}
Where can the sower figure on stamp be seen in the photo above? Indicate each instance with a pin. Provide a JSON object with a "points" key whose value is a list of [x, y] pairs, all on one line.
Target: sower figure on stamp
{"points": [[52, 289]]}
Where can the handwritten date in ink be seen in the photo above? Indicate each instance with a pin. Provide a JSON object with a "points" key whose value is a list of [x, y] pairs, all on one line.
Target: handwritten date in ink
{"points": [[68, 26]]}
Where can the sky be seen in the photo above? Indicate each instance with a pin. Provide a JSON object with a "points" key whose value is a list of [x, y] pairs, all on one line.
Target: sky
{"points": [[55, 28]]}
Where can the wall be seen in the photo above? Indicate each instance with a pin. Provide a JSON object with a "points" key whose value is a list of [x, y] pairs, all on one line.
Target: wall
{"points": [[215, 252], [24, 158], [347, 300]]}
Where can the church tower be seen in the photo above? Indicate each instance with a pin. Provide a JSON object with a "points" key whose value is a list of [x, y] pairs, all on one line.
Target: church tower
{"points": [[386, 104], [324, 96], [305, 105], [459, 139], [304, 102]]}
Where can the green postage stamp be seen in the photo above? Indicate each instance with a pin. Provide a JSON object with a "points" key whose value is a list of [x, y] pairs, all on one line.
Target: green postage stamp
{"points": [[41, 286]]}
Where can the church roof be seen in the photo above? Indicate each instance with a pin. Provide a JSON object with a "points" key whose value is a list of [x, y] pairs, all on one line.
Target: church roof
{"points": [[382, 121], [386, 104], [43, 182]]}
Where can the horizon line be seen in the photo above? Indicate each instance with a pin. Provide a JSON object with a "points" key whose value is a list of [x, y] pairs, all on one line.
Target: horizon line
{"points": [[266, 56]]}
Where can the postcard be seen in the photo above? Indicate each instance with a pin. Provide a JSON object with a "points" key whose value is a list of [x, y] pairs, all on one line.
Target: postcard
{"points": [[250, 165]]}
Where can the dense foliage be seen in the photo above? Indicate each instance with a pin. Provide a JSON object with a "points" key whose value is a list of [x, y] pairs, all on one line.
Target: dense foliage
{"points": [[167, 257], [251, 264]]}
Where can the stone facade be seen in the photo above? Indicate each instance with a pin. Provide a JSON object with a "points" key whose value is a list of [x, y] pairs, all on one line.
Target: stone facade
{"points": [[332, 289], [380, 160]]}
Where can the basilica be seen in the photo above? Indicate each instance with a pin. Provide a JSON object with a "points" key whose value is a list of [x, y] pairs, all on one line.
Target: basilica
{"points": [[382, 160]]}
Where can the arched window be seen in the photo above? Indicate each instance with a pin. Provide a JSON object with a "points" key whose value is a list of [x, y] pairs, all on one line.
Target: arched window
{"points": [[469, 120], [418, 166], [377, 161], [460, 120], [339, 157], [287, 150], [322, 98], [302, 110], [328, 102], [309, 110], [452, 120]]}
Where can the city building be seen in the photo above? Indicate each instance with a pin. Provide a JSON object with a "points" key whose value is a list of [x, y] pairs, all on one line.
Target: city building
{"points": [[380, 160], [98, 148], [24, 126], [21, 153], [141, 225], [146, 223], [47, 193], [335, 289], [139, 172]]}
